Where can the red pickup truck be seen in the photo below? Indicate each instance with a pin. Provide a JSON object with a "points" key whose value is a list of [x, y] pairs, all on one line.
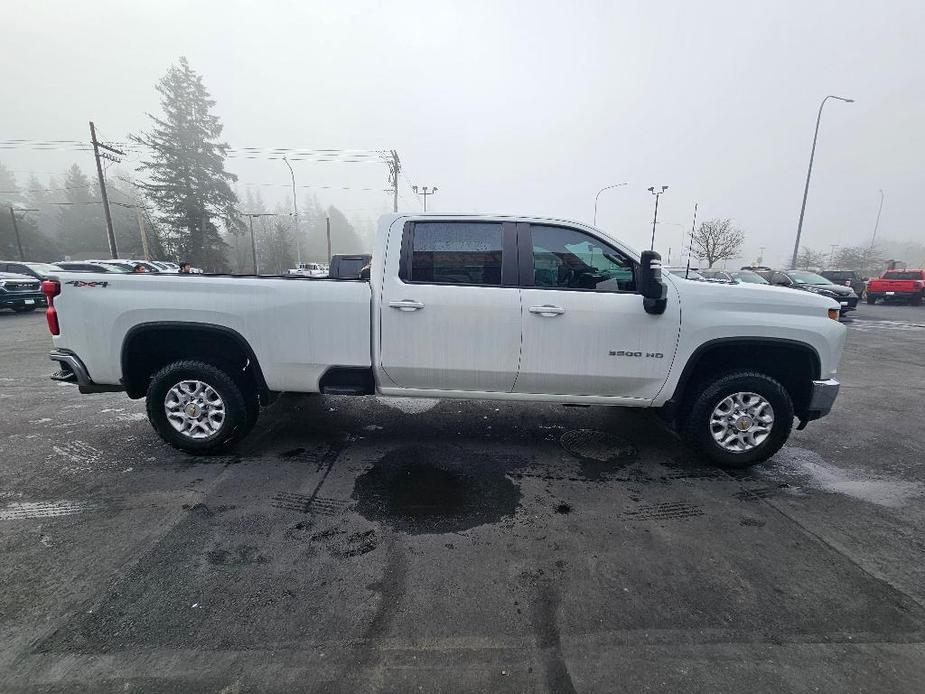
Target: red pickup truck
{"points": [[898, 285]]}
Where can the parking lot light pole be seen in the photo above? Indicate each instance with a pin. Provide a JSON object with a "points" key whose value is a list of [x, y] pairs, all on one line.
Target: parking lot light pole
{"points": [[657, 194], [295, 214], [596, 197], [809, 173], [873, 238]]}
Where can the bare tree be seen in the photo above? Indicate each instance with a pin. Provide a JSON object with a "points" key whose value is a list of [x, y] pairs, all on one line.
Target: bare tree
{"points": [[808, 259], [717, 239], [867, 259]]}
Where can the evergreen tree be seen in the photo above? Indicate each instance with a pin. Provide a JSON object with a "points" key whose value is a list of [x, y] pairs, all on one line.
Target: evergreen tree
{"points": [[344, 238], [81, 225], [187, 182], [9, 195]]}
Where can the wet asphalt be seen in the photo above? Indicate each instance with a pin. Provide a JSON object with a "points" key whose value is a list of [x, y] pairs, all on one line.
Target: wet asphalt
{"points": [[354, 545]]}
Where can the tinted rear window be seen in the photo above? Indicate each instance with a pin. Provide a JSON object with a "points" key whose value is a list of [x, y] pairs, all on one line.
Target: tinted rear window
{"points": [[457, 253]]}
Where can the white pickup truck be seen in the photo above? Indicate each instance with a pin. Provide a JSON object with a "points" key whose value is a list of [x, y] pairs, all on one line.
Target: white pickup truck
{"points": [[485, 307]]}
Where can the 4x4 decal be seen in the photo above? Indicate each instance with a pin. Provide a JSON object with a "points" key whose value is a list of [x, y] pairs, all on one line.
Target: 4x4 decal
{"points": [[81, 283]]}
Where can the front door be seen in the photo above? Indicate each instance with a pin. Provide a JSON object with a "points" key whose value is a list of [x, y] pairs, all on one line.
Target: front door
{"points": [[585, 331], [448, 321]]}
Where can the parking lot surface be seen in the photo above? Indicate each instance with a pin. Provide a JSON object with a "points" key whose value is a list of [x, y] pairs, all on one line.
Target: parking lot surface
{"points": [[364, 544]]}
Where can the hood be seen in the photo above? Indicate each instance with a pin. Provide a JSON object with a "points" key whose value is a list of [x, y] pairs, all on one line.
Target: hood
{"points": [[751, 298], [837, 289], [15, 276]]}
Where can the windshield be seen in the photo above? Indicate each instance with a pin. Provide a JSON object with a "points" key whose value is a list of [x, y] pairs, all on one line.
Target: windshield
{"points": [[749, 277], [800, 277], [903, 275]]}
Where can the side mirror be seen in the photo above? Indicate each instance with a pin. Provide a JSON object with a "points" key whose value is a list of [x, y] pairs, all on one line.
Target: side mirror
{"points": [[651, 286]]}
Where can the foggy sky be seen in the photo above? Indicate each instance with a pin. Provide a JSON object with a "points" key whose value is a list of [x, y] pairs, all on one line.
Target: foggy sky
{"points": [[516, 107]]}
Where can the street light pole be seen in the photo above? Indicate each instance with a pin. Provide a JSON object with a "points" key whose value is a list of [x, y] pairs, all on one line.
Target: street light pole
{"points": [[657, 194], [616, 185], [809, 173], [424, 192], [877, 223], [295, 213]]}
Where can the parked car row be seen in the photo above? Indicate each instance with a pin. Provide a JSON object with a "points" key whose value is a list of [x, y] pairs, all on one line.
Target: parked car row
{"points": [[795, 279]]}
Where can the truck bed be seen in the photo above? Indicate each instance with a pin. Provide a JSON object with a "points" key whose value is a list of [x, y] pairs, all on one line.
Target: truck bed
{"points": [[297, 327]]}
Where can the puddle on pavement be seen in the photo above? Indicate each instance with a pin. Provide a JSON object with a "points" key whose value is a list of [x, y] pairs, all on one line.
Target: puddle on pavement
{"points": [[819, 474], [599, 453], [418, 489]]}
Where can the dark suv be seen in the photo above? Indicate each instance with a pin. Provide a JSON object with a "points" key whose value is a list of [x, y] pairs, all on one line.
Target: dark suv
{"points": [[21, 293], [849, 278], [817, 284]]}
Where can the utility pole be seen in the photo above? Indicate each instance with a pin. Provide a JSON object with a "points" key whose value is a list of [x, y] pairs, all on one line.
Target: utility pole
{"points": [[13, 212], [250, 216], [327, 223], [424, 192], [253, 243], [113, 250], [832, 253], [394, 170], [657, 195], [690, 250], [144, 235]]}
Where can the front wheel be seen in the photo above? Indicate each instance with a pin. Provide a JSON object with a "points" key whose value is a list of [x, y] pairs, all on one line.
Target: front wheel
{"points": [[739, 419], [198, 407]]}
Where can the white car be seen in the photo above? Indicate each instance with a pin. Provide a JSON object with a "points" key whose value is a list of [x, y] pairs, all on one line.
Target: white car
{"points": [[483, 307], [309, 270]]}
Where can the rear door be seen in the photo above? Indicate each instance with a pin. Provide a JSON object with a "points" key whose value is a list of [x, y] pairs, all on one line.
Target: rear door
{"points": [[585, 331], [450, 308]]}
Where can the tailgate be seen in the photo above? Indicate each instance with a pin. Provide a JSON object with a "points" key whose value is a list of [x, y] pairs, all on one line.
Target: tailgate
{"points": [[893, 286]]}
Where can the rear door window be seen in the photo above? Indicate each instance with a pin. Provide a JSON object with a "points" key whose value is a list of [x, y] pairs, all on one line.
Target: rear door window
{"points": [[466, 253]]}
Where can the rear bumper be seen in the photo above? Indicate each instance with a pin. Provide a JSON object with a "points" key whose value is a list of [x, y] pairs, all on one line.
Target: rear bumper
{"points": [[72, 370], [891, 294]]}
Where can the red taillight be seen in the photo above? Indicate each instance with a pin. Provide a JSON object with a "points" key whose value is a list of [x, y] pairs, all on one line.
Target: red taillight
{"points": [[51, 289]]}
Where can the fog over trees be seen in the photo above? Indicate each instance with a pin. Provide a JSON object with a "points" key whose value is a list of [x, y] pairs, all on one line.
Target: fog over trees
{"points": [[179, 199]]}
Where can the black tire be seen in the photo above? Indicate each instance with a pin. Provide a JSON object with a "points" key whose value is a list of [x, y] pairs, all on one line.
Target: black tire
{"points": [[916, 300], [25, 309], [872, 299], [696, 430], [240, 410]]}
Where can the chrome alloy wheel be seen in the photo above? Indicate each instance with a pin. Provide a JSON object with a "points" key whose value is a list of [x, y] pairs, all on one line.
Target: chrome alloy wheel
{"points": [[195, 409], [741, 422]]}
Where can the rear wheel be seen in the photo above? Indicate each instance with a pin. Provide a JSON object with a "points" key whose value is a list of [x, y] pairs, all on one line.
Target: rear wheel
{"points": [[24, 309], [198, 407], [916, 300], [738, 419], [872, 299]]}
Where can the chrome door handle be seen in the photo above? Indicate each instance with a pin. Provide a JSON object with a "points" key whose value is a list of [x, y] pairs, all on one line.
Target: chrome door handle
{"points": [[547, 310], [406, 305]]}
